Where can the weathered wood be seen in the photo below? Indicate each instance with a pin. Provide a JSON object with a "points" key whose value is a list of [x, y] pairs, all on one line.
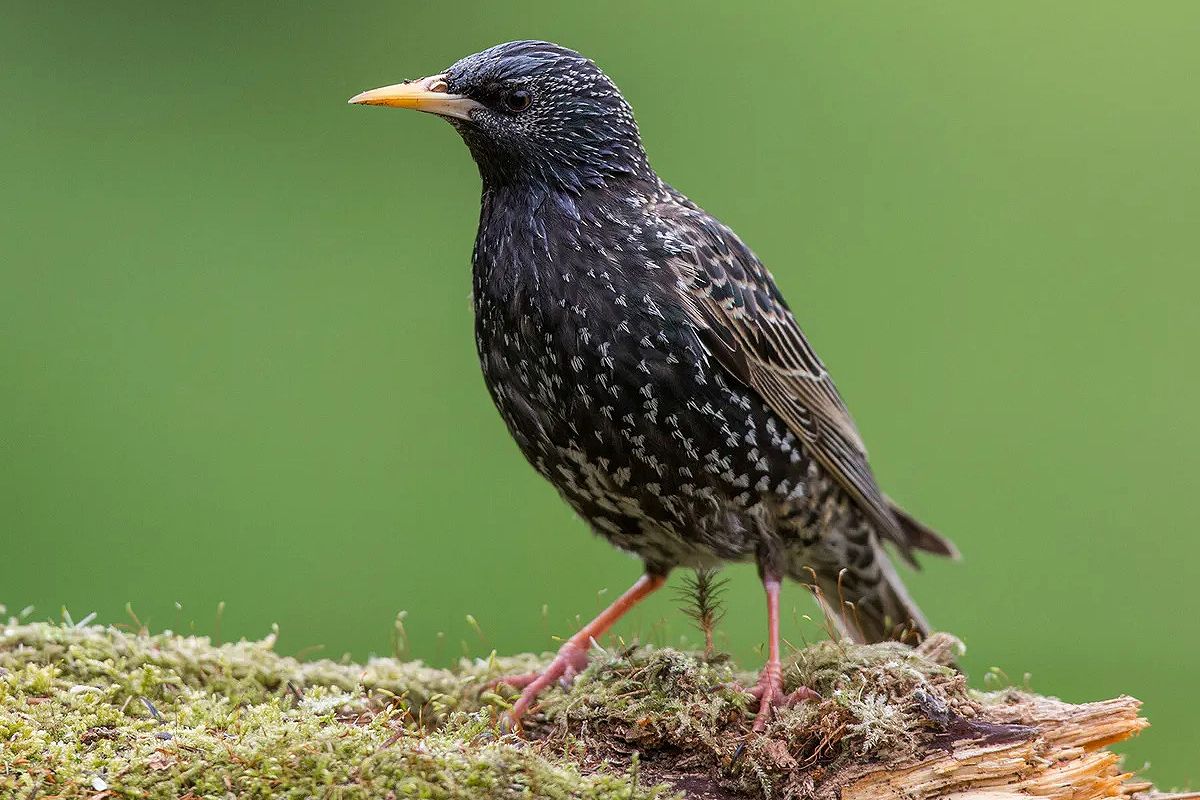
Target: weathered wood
{"points": [[1064, 757]]}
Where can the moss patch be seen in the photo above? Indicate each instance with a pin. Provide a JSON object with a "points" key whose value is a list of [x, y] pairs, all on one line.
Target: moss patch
{"points": [[685, 715], [96, 712], [100, 713]]}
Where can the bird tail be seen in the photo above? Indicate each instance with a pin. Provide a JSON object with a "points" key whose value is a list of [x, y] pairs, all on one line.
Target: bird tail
{"points": [[919, 536], [870, 604]]}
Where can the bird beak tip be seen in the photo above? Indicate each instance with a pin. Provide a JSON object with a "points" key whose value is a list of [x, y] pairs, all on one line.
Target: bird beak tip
{"points": [[427, 94]]}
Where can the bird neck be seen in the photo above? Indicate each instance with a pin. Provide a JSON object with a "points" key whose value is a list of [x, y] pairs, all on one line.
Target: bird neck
{"points": [[535, 207], [571, 171], [531, 233]]}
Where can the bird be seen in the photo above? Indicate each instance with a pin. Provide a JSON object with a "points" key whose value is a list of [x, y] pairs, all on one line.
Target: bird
{"points": [[647, 365]]}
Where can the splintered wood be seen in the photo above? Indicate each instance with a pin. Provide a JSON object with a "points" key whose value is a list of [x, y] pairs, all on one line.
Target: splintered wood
{"points": [[1061, 755]]}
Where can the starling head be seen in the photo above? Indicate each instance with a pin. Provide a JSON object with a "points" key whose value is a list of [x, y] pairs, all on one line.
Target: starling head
{"points": [[531, 112]]}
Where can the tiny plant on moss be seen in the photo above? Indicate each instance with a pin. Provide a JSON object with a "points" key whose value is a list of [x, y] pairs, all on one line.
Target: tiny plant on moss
{"points": [[700, 597]]}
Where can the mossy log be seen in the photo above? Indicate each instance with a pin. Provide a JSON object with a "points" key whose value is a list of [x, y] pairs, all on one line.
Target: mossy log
{"points": [[104, 713]]}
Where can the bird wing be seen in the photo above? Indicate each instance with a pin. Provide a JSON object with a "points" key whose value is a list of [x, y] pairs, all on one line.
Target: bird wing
{"points": [[747, 326]]}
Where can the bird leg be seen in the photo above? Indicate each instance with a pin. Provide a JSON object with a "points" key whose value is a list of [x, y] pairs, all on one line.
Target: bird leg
{"points": [[769, 691], [573, 655]]}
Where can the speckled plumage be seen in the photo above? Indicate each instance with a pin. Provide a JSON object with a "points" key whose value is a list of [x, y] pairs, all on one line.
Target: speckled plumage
{"points": [[644, 360]]}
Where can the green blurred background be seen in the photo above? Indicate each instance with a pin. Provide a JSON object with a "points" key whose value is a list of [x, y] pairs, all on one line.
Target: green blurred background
{"points": [[236, 357]]}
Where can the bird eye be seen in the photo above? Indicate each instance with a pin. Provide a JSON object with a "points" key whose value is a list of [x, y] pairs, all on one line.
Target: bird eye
{"points": [[518, 100]]}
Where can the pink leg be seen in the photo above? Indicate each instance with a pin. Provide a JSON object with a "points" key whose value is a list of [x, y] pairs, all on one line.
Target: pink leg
{"points": [[769, 691], [572, 656]]}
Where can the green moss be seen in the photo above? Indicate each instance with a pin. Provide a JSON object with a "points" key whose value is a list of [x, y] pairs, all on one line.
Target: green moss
{"points": [[89, 710], [85, 711], [681, 710]]}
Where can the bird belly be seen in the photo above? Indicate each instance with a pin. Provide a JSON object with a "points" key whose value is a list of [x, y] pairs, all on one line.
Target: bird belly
{"points": [[655, 448]]}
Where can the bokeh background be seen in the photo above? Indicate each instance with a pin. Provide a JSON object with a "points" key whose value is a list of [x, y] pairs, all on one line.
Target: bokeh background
{"points": [[236, 359]]}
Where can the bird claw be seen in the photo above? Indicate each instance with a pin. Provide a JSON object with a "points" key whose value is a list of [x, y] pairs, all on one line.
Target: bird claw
{"points": [[567, 679], [770, 695], [517, 682], [509, 725], [566, 666]]}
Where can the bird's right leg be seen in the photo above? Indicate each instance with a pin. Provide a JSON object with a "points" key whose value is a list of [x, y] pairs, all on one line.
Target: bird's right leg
{"points": [[769, 691], [573, 655]]}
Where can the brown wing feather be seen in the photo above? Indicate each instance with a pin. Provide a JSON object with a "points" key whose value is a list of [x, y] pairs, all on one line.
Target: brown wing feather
{"points": [[748, 328]]}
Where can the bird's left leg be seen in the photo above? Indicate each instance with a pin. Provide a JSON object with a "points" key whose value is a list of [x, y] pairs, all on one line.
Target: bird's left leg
{"points": [[572, 656], [769, 691]]}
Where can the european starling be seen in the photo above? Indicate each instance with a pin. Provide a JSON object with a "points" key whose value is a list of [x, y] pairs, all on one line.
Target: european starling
{"points": [[647, 365]]}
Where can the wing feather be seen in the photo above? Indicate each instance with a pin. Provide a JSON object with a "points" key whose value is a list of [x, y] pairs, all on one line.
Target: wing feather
{"points": [[747, 327]]}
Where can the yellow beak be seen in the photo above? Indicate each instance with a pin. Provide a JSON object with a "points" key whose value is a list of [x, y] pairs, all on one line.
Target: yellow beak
{"points": [[426, 94]]}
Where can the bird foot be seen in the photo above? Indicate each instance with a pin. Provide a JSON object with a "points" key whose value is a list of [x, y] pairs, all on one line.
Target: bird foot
{"points": [[566, 666], [770, 695], [518, 682]]}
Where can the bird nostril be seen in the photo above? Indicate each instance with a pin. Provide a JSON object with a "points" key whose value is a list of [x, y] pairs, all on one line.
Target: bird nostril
{"points": [[438, 85]]}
